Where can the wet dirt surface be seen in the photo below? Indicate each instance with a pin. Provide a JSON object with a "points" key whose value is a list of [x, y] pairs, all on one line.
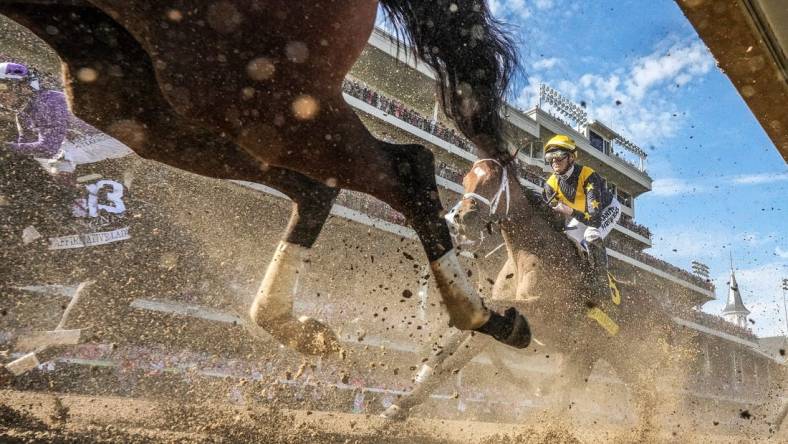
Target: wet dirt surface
{"points": [[33, 417]]}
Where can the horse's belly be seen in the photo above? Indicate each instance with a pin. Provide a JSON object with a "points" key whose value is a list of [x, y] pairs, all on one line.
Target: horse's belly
{"points": [[216, 48]]}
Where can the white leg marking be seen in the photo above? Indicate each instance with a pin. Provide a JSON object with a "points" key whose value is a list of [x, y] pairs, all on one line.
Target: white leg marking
{"points": [[275, 296], [466, 311], [42, 339], [425, 372], [23, 364]]}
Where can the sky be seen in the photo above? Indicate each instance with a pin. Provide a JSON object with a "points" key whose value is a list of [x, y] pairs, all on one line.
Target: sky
{"points": [[719, 183]]}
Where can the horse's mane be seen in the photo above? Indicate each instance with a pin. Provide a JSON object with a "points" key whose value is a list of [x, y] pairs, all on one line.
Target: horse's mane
{"points": [[472, 54]]}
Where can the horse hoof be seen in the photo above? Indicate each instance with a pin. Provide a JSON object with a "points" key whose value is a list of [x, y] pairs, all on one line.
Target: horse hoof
{"points": [[511, 329], [305, 335], [318, 338], [393, 413]]}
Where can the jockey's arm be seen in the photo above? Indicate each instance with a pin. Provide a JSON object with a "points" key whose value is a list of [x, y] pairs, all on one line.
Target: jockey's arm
{"points": [[49, 120], [594, 189], [549, 195], [48, 144]]}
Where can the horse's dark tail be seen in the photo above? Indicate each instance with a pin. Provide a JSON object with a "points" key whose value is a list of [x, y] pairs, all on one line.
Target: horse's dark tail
{"points": [[473, 58]]}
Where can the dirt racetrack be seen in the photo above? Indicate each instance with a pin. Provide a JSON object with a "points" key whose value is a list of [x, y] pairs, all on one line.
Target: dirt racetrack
{"points": [[54, 417], [174, 265]]}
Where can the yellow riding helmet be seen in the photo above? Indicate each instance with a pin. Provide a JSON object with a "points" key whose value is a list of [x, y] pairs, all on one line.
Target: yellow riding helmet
{"points": [[561, 142]]}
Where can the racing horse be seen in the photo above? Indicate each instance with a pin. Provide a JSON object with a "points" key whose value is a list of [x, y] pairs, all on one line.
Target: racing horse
{"points": [[252, 91], [544, 275]]}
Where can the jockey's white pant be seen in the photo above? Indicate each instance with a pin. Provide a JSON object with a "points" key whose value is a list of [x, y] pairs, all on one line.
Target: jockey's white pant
{"points": [[583, 234]]}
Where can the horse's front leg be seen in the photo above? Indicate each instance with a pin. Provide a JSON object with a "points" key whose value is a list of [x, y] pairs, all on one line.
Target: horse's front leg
{"points": [[272, 308], [417, 197], [335, 147]]}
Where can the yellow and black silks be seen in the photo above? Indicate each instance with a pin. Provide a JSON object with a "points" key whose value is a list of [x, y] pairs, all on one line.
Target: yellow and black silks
{"points": [[579, 201]]}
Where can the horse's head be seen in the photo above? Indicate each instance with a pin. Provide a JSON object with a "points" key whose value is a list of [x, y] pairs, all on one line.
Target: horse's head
{"points": [[485, 201]]}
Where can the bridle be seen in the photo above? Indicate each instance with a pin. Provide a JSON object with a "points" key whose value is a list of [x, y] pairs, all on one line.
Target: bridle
{"points": [[493, 203], [503, 190]]}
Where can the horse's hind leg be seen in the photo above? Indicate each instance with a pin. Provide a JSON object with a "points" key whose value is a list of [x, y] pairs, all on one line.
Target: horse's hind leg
{"points": [[457, 350], [130, 107], [639, 377]]}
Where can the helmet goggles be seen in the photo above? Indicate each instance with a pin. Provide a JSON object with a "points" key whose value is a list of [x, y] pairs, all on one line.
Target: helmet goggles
{"points": [[555, 156]]}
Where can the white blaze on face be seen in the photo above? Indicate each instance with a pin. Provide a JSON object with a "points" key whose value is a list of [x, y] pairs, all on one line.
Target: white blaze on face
{"points": [[305, 107], [479, 172]]}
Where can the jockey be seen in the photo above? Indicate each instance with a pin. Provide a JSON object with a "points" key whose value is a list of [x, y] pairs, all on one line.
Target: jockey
{"points": [[578, 193], [42, 116]]}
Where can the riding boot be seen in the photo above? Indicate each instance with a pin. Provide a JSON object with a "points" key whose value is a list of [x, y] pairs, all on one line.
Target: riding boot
{"points": [[597, 264], [597, 255]]}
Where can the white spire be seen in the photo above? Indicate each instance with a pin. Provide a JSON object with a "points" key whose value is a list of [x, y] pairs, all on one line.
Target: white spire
{"points": [[735, 311]]}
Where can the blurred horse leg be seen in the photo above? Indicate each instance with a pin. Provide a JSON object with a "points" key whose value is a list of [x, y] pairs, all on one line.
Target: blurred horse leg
{"points": [[572, 376], [506, 371], [779, 418], [459, 348], [131, 108], [639, 377]]}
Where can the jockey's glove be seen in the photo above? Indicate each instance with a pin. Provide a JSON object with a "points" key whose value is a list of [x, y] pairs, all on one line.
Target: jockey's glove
{"points": [[563, 208]]}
